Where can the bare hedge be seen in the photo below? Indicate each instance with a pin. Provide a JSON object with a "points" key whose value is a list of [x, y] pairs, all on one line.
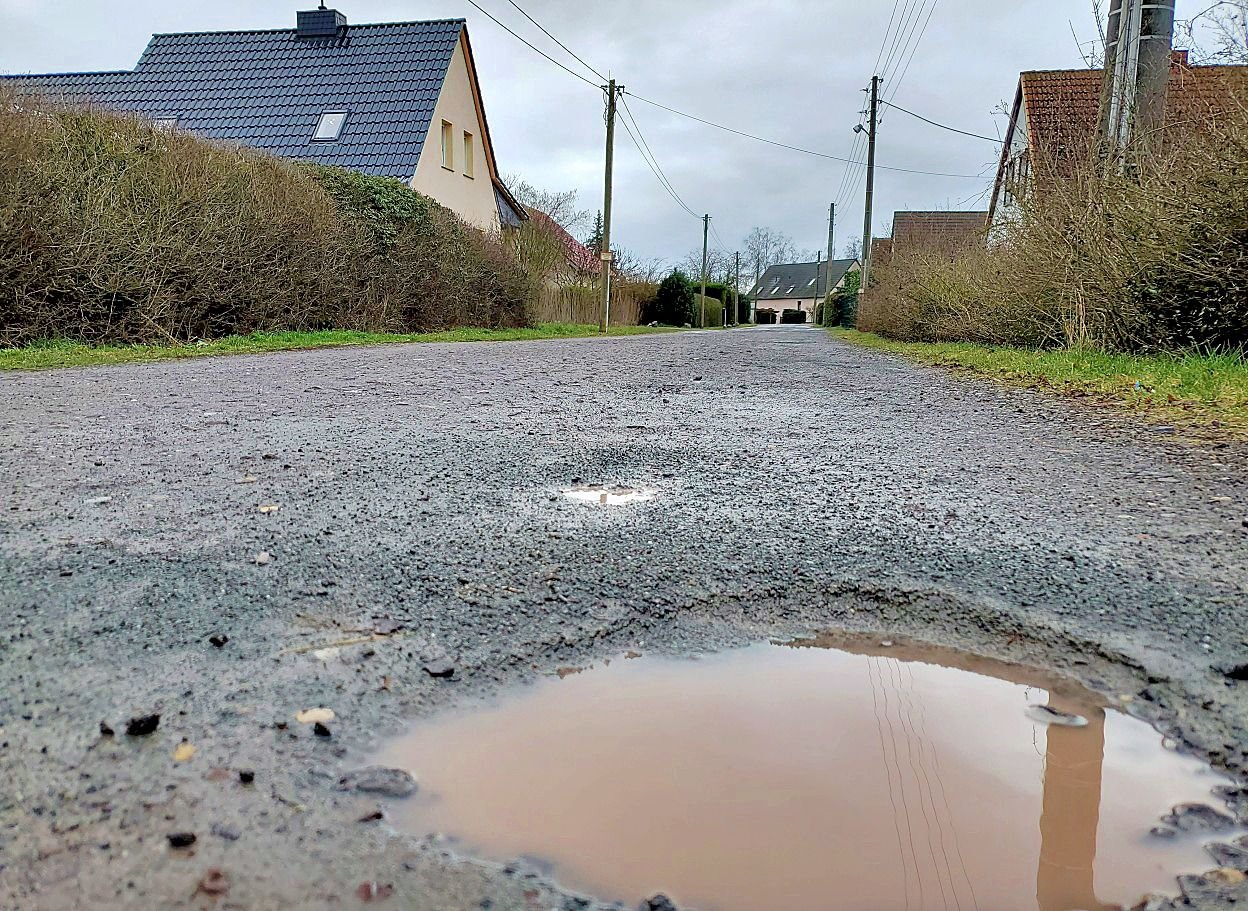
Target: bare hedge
{"points": [[114, 230], [1152, 256]]}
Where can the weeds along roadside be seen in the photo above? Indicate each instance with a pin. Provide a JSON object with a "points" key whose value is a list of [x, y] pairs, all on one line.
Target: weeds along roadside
{"points": [[1151, 256]]}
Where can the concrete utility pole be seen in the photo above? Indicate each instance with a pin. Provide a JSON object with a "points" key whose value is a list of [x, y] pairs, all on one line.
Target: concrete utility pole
{"points": [[831, 256], [736, 290], [613, 93], [1138, 42], [832, 232], [706, 230], [818, 269], [866, 228]]}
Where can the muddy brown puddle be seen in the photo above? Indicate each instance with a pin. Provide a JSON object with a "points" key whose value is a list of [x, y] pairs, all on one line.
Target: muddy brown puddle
{"points": [[792, 778]]}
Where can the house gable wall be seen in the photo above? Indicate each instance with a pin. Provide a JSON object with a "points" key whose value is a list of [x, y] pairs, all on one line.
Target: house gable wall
{"points": [[472, 198]]}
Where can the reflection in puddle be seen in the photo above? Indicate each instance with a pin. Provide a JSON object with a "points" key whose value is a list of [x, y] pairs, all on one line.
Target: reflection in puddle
{"points": [[610, 496], [789, 779]]}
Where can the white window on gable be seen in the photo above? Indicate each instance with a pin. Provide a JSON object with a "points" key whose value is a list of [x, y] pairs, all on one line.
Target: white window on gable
{"points": [[469, 157], [448, 145], [329, 128]]}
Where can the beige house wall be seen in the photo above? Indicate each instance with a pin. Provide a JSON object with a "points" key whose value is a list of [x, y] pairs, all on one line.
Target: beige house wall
{"points": [[472, 198]]}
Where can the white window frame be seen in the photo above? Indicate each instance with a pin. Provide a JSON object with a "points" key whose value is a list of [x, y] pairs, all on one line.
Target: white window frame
{"points": [[321, 134], [448, 145], [470, 155]]}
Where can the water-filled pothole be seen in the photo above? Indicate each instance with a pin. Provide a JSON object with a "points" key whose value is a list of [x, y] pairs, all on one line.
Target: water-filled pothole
{"points": [[609, 496], [792, 778]]}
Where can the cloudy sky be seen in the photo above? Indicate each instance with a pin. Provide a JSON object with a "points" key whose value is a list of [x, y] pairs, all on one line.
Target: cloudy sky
{"points": [[789, 70]]}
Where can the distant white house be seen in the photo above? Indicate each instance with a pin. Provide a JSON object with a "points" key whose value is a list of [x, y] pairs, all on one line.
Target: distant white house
{"points": [[799, 286]]}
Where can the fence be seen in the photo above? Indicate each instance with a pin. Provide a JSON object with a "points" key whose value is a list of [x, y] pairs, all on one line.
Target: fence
{"points": [[582, 304]]}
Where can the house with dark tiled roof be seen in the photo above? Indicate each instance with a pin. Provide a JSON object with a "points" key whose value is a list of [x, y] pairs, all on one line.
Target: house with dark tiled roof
{"points": [[1055, 122], [398, 100], [800, 286]]}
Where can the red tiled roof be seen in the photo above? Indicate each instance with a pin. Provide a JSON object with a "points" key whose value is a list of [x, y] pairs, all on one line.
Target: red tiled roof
{"points": [[1062, 107], [579, 256]]}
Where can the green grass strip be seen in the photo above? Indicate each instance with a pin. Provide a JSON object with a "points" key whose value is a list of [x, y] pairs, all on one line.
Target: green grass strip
{"points": [[1183, 390], [48, 355]]}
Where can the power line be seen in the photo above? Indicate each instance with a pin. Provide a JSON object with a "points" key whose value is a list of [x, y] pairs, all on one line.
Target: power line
{"points": [[901, 39], [531, 47], [914, 50], [556, 40], [943, 126], [651, 162], [892, 18], [727, 129]]}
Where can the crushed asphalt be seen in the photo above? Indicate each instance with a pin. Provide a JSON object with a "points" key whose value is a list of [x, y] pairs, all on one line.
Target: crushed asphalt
{"points": [[421, 555]]}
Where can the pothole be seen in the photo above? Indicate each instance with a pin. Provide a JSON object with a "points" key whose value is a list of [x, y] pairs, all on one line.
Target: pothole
{"points": [[795, 777], [609, 496]]}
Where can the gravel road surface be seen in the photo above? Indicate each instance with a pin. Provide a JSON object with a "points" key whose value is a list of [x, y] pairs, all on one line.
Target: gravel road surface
{"points": [[802, 484]]}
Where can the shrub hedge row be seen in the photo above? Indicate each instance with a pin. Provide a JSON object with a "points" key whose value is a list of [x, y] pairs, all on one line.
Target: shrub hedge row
{"points": [[114, 230]]}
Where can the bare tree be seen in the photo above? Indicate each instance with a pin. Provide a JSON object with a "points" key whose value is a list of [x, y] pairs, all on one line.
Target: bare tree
{"points": [[717, 263], [637, 269], [1218, 33], [765, 247], [562, 206], [853, 249]]}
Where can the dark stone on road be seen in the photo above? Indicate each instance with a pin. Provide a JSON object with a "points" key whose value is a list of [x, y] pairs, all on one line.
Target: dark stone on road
{"points": [[440, 667], [246, 776], [321, 730], [218, 640], [1232, 856], [1197, 817], [105, 730], [226, 831], [1238, 672], [379, 780], [182, 839], [143, 725], [658, 903]]}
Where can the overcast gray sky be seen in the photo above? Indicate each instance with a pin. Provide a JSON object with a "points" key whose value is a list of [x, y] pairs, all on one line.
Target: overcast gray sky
{"points": [[792, 70]]}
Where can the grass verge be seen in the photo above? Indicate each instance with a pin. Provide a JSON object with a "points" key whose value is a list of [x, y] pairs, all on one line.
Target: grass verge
{"points": [[52, 354], [1193, 391]]}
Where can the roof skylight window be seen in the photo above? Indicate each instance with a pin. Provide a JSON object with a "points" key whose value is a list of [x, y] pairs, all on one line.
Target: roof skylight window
{"points": [[330, 126]]}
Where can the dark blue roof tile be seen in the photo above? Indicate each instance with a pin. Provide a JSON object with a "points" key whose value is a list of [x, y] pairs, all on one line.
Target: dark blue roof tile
{"points": [[268, 89]]}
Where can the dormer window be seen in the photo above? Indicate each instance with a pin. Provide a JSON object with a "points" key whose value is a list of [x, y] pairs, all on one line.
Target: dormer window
{"points": [[330, 126]]}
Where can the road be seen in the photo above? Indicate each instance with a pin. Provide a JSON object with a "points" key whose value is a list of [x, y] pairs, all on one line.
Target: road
{"points": [[802, 484]]}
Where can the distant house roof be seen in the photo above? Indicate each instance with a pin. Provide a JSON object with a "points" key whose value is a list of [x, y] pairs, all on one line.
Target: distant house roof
{"points": [[268, 89], [579, 257], [1060, 110], [794, 281]]}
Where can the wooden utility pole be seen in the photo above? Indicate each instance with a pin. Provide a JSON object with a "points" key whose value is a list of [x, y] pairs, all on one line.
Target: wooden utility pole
{"points": [[866, 228], [706, 230], [613, 93]]}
